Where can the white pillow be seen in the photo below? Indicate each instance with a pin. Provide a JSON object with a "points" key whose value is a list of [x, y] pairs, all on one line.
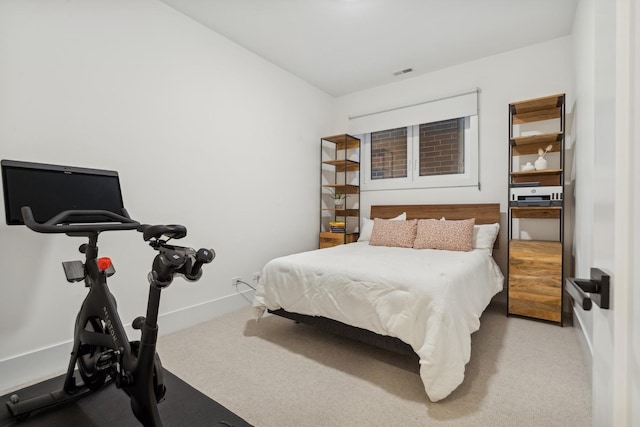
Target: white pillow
{"points": [[367, 227], [484, 235]]}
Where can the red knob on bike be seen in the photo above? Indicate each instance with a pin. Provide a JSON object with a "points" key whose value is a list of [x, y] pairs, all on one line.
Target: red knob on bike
{"points": [[104, 263]]}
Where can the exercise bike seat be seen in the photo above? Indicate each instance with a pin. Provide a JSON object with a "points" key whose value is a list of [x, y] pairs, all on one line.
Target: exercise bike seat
{"points": [[173, 231]]}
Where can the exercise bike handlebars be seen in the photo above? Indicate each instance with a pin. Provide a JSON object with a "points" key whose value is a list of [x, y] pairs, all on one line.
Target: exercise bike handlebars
{"points": [[60, 222], [170, 260]]}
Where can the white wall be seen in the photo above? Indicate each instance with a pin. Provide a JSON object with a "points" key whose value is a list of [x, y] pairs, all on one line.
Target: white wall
{"points": [[202, 132], [531, 72]]}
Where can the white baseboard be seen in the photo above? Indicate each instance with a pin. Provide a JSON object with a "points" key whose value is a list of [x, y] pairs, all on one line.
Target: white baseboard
{"points": [[40, 364], [33, 367], [186, 317]]}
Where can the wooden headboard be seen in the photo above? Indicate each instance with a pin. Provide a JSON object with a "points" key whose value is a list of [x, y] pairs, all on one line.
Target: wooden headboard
{"points": [[486, 213]]}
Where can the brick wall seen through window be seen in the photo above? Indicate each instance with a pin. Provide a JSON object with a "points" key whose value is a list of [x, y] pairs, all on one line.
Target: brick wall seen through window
{"points": [[442, 147], [389, 154]]}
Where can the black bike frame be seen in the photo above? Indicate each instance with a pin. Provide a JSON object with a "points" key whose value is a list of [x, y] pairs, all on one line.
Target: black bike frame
{"points": [[134, 365], [101, 304]]}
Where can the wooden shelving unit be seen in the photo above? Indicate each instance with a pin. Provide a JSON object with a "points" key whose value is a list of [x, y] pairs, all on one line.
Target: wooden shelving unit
{"points": [[340, 173], [535, 270]]}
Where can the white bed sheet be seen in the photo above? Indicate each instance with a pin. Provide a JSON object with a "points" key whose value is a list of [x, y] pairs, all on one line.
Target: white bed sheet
{"points": [[430, 299]]}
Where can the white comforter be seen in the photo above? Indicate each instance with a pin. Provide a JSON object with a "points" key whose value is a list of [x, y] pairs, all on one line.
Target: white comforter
{"points": [[430, 299]]}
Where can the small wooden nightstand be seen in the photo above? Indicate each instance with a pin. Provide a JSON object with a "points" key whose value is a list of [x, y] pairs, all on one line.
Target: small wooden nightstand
{"points": [[328, 239]]}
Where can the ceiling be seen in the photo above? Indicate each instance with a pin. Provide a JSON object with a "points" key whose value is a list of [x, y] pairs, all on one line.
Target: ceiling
{"points": [[344, 46]]}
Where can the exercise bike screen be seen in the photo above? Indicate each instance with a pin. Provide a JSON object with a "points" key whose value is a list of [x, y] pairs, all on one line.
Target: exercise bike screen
{"points": [[51, 189]]}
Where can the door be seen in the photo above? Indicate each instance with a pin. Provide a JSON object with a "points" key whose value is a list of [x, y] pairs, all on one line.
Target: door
{"points": [[603, 243], [612, 203]]}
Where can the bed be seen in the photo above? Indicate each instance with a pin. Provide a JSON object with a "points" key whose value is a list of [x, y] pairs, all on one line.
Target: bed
{"points": [[425, 302]]}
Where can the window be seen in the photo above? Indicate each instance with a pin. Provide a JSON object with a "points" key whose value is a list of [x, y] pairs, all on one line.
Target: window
{"points": [[437, 148], [437, 154]]}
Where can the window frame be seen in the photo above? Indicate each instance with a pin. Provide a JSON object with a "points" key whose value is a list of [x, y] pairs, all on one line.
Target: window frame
{"points": [[413, 180]]}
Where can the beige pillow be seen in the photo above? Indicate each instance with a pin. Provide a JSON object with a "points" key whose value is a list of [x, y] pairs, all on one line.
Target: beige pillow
{"points": [[367, 227], [388, 232], [445, 235]]}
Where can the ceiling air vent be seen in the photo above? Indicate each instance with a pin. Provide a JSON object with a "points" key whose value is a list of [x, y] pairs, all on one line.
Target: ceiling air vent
{"points": [[401, 72]]}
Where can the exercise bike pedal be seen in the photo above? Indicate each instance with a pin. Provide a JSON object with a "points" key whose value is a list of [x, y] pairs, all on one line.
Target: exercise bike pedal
{"points": [[107, 360]]}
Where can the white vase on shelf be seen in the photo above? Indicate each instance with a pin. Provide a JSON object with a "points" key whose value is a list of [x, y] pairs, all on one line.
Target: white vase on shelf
{"points": [[541, 163], [528, 167]]}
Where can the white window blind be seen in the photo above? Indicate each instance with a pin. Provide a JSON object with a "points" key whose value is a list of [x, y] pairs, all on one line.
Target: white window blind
{"points": [[460, 105]]}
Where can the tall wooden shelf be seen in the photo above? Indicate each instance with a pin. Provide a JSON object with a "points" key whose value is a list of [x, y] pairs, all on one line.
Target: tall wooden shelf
{"points": [[340, 173], [535, 272]]}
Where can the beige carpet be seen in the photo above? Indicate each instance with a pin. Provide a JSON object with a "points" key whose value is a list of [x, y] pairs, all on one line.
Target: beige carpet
{"points": [[278, 373]]}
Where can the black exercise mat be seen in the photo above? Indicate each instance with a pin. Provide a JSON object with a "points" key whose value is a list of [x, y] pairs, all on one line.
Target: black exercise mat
{"points": [[182, 406]]}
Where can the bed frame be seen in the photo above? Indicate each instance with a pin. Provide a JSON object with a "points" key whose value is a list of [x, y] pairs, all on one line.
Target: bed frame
{"points": [[486, 213]]}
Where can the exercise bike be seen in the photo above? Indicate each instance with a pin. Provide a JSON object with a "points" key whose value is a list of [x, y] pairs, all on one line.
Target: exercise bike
{"points": [[101, 350]]}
